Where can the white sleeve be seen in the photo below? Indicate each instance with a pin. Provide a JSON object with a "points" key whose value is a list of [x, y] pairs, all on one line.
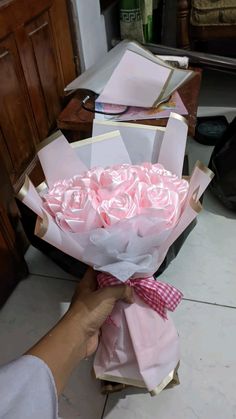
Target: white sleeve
{"points": [[27, 390]]}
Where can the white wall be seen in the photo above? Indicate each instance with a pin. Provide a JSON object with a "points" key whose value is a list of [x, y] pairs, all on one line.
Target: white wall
{"points": [[90, 31]]}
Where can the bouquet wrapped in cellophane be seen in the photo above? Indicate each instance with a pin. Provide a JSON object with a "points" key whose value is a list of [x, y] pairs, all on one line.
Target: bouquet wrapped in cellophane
{"points": [[117, 201]]}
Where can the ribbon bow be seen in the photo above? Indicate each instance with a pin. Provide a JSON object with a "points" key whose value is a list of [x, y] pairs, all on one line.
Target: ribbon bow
{"points": [[158, 295]]}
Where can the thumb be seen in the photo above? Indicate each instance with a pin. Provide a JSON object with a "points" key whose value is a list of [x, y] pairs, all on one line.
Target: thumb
{"points": [[118, 292]]}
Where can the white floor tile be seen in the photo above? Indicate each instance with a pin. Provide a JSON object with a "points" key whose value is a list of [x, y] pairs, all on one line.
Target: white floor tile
{"points": [[40, 264], [207, 372], [33, 308], [205, 268]]}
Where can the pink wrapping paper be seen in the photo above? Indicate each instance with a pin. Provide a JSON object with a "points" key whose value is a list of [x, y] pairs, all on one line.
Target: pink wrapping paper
{"points": [[144, 349], [135, 81]]}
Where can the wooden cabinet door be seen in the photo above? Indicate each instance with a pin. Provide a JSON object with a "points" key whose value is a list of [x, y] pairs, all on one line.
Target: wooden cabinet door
{"points": [[17, 133], [41, 67], [36, 62], [42, 43], [12, 264]]}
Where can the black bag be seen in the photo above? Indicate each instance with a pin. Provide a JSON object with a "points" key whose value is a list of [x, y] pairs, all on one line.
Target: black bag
{"points": [[223, 164]]}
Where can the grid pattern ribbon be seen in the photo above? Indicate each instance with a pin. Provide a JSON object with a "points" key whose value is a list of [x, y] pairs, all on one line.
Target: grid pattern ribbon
{"points": [[157, 295]]}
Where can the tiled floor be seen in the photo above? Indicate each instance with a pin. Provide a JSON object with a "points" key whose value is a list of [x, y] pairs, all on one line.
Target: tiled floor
{"points": [[205, 270]]}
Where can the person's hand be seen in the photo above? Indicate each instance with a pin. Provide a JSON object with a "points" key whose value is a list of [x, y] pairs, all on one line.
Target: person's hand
{"points": [[75, 336], [91, 307]]}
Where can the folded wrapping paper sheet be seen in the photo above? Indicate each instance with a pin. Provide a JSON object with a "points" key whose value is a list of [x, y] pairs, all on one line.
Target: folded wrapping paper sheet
{"points": [[29, 195], [135, 136], [145, 143], [118, 250], [136, 81]]}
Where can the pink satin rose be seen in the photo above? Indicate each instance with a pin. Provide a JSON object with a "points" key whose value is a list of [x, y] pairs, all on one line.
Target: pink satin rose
{"points": [[95, 174], [161, 177], [85, 181], [117, 208], [102, 197], [53, 199], [116, 181], [160, 202], [77, 211], [142, 172]]}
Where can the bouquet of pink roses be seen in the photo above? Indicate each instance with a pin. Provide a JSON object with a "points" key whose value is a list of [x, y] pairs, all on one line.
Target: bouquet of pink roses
{"points": [[102, 197], [117, 204]]}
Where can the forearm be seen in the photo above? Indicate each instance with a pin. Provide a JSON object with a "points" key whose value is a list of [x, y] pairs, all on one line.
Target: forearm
{"points": [[62, 348]]}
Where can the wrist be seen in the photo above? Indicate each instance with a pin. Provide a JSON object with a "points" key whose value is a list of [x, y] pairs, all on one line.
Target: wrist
{"points": [[75, 326], [79, 315]]}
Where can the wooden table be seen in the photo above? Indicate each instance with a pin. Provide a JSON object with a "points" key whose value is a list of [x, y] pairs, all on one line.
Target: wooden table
{"points": [[77, 122]]}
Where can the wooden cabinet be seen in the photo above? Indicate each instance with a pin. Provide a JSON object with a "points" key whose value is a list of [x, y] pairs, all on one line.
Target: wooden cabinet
{"points": [[36, 63], [17, 134], [12, 264]]}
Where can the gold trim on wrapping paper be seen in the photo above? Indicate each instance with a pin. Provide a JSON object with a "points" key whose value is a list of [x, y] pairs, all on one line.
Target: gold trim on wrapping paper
{"points": [[49, 140], [139, 383], [127, 381], [130, 125], [160, 98], [24, 190], [98, 138], [195, 205], [179, 117], [204, 169], [41, 187], [41, 226], [163, 384], [152, 56]]}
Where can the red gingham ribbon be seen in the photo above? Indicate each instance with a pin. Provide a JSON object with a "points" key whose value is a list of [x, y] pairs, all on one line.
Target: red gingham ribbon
{"points": [[158, 295]]}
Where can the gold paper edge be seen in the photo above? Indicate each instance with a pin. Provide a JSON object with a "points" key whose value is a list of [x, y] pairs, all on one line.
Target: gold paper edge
{"points": [[179, 117], [49, 140], [138, 383], [24, 189], [204, 169], [41, 187], [127, 381], [190, 72], [195, 205], [190, 75], [97, 138], [129, 125], [163, 384], [151, 55], [41, 226], [160, 97]]}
